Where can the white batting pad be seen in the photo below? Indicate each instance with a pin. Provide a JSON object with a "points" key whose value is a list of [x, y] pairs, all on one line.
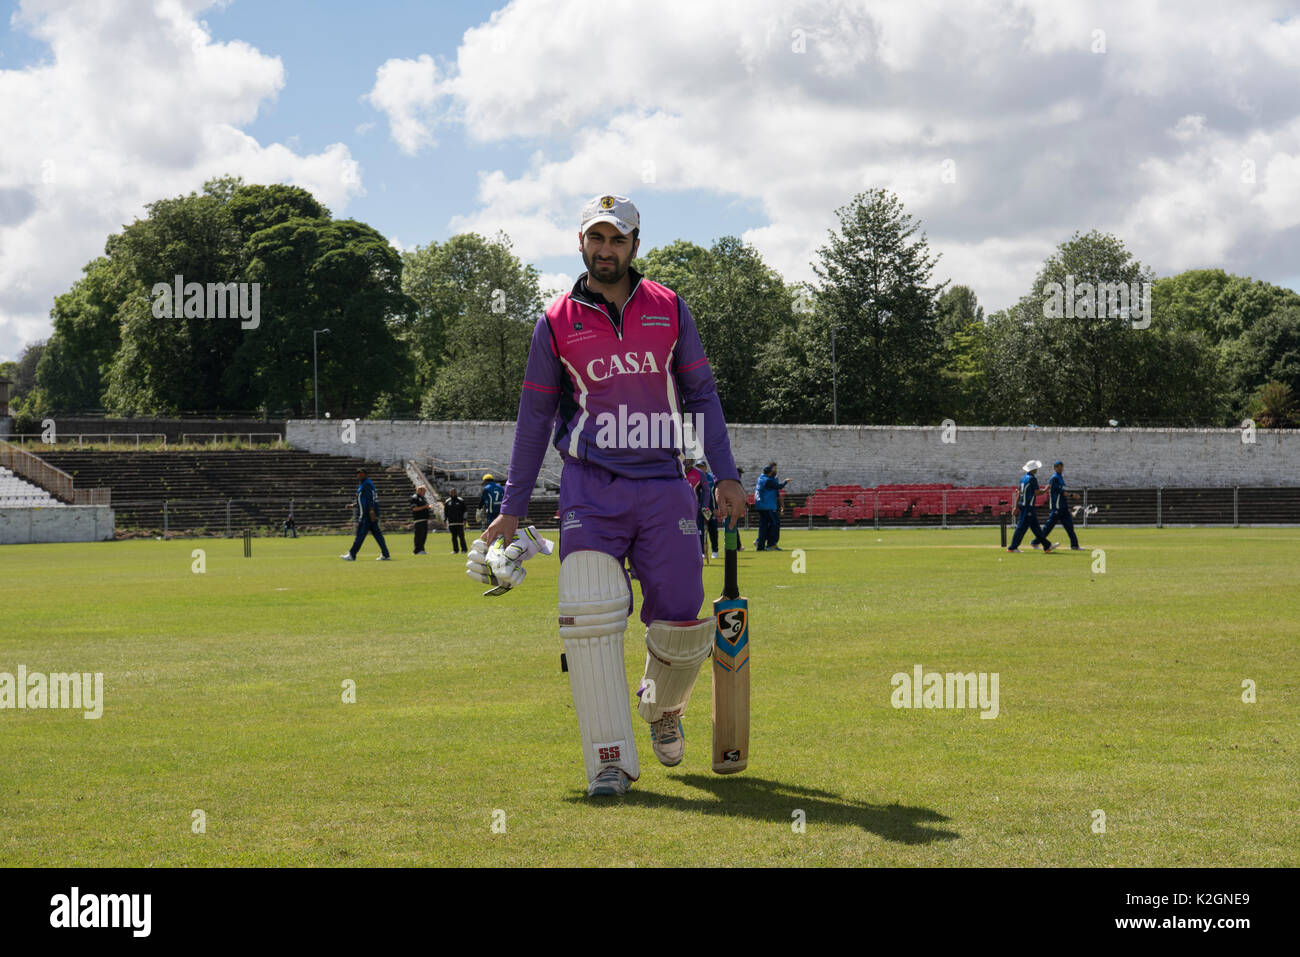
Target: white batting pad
{"points": [[593, 615], [674, 652]]}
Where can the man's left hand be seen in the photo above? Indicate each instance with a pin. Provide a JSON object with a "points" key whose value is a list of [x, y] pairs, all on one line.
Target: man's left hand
{"points": [[731, 501]]}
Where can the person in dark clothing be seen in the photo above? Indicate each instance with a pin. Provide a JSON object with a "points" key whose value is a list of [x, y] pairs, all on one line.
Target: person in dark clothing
{"points": [[454, 508], [489, 501], [367, 506], [768, 505], [710, 480], [420, 515], [1058, 503]]}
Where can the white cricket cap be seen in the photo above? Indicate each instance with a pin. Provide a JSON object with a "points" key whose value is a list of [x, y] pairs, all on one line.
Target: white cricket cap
{"points": [[1033, 464], [617, 210]]}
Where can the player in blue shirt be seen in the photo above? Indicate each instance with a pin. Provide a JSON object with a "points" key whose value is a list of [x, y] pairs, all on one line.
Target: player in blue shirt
{"points": [[489, 502], [367, 505], [1026, 510], [1057, 501]]}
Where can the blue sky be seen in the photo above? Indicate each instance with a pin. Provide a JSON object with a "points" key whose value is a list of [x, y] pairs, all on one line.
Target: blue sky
{"points": [[752, 118]]}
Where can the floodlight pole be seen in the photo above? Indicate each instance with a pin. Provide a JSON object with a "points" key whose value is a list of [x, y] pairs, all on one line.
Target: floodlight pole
{"points": [[315, 378]]}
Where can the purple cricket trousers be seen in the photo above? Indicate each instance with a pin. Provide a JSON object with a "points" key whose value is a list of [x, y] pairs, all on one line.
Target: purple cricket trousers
{"points": [[649, 521]]}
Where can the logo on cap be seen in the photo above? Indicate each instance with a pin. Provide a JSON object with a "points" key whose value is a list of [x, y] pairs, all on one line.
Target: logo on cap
{"points": [[607, 202]]}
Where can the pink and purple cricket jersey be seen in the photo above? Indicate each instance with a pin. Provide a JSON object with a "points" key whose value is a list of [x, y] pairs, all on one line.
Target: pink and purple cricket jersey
{"points": [[595, 377]]}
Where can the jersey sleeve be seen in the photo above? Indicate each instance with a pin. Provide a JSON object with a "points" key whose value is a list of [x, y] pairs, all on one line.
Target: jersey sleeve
{"points": [[538, 403], [699, 394]]}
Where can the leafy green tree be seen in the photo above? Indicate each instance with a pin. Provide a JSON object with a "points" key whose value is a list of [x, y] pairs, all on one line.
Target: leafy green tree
{"points": [[72, 372], [1049, 367], [320, 273], [1274, 406], [875, 294], [1269, 351], [22, 376], [477, 305], [963, 334], [176, 362], [739, 305]]}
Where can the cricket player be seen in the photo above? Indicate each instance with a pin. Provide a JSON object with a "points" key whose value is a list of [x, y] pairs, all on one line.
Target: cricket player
{"points": [[1057, 500], [489, 500], [367, 511], [613, 353], [1026, 510]]}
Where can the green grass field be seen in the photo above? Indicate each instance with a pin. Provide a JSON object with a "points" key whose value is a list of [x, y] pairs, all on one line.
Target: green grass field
{"points": [[1119, 691]]}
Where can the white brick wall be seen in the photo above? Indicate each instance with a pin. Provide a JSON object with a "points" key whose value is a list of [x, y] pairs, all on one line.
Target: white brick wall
{"points": [[70, 523], [813, 456]]}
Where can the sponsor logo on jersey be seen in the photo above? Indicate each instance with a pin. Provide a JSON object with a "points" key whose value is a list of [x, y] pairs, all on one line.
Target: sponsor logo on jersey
{"points": [[687, 527], [629, 363], [656, 321]]}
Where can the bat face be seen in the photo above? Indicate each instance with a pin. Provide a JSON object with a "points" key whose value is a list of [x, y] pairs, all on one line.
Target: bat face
{"points": [[730, 685]]}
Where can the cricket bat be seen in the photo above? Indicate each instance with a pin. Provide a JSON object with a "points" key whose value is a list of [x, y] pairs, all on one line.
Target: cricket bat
{"points": [[731, 668]]}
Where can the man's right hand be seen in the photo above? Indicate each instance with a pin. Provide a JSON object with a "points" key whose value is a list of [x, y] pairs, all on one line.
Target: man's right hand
{"points": [[501, 525]]}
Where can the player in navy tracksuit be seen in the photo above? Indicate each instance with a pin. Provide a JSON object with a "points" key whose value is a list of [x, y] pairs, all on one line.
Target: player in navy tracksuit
{"points": [[1057, 500], [489, 502], [1027, 511], [367, 520]]}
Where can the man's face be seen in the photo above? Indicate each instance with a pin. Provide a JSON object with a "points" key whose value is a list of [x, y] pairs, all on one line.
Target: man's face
{"points": [[1059, 469], [454, 493], [607, 253]]}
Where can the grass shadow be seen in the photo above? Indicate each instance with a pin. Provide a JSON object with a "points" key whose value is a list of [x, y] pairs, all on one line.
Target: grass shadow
{"points": [[765, 800]]}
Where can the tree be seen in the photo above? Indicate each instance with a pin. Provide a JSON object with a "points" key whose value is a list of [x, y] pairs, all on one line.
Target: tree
{"points": [[874, 291], [963, 334], [73, 369], [1268, 352], [317, 273], [477, 305], [738, 303], [119, 341], [1274, 406], [22, 376], [1081, 347], [181, 361]]}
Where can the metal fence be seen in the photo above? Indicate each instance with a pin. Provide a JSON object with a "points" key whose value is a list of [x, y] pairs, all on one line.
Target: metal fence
{"points": [[267, 438], [79, 438], [1151, 507]]}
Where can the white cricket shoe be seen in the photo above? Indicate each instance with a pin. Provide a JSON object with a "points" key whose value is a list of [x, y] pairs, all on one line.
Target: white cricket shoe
{"points": [[347, 557], [715, 554], [383, 558], [668, 740], [611, 782]]}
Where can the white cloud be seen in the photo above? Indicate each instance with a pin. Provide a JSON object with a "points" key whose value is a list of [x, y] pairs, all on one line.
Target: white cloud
{"points": [[406, 91], [135, 102], [554, 283], [1047, 134]]}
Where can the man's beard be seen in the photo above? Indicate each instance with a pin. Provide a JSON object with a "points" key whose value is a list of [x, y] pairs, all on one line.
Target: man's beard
{"points": [[607, 273]]}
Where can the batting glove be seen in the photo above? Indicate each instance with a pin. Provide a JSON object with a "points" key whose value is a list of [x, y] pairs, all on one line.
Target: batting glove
{"points": [[507, 561], [478, 568]]}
